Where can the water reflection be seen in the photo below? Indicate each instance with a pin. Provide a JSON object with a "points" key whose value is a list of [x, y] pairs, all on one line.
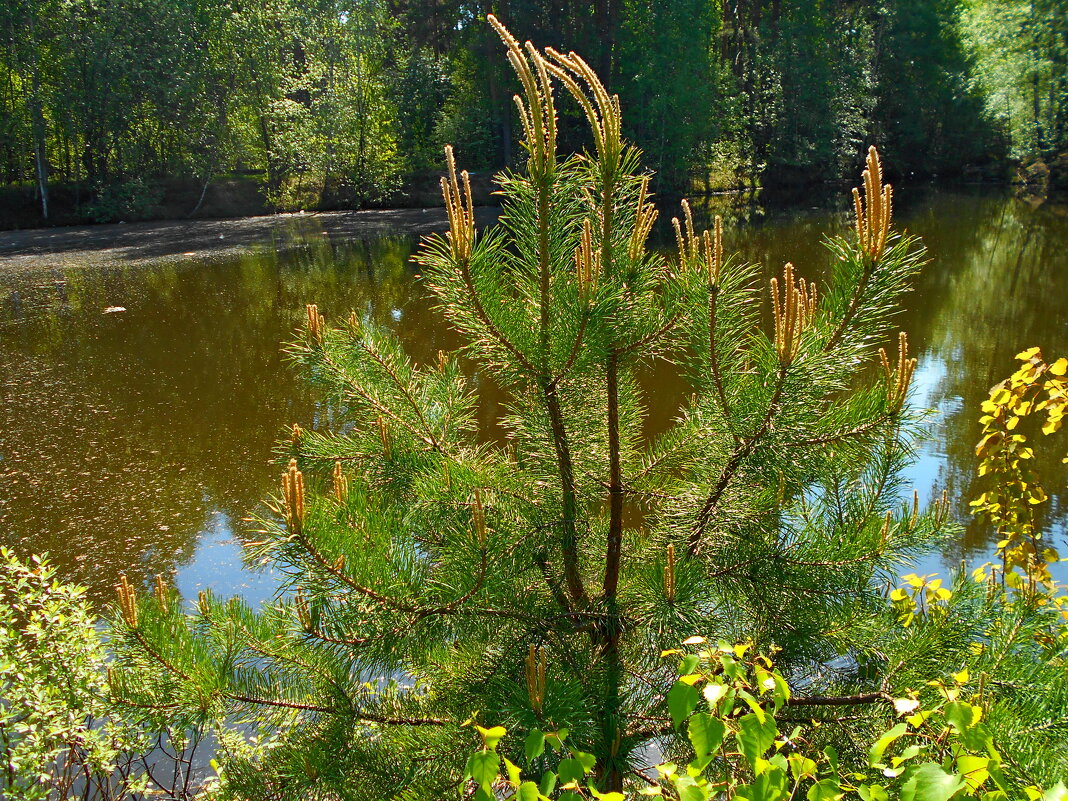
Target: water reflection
{"points": [[994, 286], [999, 289], [128, 434], [136, 441]]}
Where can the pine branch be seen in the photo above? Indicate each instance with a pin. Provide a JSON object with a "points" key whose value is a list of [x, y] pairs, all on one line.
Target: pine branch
{"points": [[842, 434], [652, 336], [406, 392], [417, 611], [740, 453], [272, 702], [575, 349], [713, 356], [373, 402], [487, 322]]}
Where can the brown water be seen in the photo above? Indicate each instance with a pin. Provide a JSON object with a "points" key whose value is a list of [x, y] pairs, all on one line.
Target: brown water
{"points": [[135, 441]]}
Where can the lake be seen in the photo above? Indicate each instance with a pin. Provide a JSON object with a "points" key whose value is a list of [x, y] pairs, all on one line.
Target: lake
{"points": [[135, 441]]}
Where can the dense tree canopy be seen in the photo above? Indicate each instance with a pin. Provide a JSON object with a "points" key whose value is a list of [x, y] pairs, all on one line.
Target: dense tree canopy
{"points": [[334, 102]]}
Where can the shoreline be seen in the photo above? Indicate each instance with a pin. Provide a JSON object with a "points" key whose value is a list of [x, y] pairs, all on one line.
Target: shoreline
{"points": [[135, 243], [141, 242]]}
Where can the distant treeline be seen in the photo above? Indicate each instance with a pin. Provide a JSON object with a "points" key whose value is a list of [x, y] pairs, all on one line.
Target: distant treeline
{"points": [[342, 102]]}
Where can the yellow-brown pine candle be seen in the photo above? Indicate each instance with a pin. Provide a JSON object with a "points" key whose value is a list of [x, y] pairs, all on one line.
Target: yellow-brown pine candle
{"points": [[293, 494], [478, 517], [941, 508], [603, 112], [203, 602], [296, 432], [539, 121], [587, 262], [383, 434], [535, 670], [127, 601], [316, 323], [792, 313], [161, 594], [712, 251], [899, 376], [354, 321], [460, 209], [303, 611], [691, 230], [643, 223], [685, 239], [580, 96], [874, 213], [341, 483], [719, 244], [669, 574]]}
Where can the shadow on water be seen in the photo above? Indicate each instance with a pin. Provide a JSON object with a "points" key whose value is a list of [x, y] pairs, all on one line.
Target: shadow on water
{"points": [[136, 441]]}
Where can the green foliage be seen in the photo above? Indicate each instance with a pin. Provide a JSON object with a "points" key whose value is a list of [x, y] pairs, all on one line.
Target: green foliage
{"points": [[332, 102], [119, 94], [53, 689], [420, 89], [1010, 504], [928, 113], [940, 747], [1021, 49], [128, 200], [670, 116], [570, 780]]}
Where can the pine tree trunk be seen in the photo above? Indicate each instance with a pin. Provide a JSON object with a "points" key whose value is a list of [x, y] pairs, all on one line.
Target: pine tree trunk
{"points": [[614, 550]]}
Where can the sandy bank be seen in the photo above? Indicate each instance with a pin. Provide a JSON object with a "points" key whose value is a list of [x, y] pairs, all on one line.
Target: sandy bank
{"points": [[133, 243]]}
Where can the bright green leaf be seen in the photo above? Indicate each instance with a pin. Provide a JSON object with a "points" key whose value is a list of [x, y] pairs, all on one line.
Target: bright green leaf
{"points": [[548, 782], [875, 755], [974, 770], [755, 736], [929, 782], [570, 770], [872, 792], [681, 700], [588, 761], [535, 745], [824, 790], [483, 767], [514, 774], [705, 733], [492, 736], [689, 664]]}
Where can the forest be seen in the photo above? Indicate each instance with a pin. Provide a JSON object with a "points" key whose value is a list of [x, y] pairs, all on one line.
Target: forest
{"points": [[128, 109]]}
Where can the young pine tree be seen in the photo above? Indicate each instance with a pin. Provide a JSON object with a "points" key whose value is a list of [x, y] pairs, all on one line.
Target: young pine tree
{"points": [[434, 578]]}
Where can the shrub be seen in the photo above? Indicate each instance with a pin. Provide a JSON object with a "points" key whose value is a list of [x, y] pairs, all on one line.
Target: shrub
{"points": [[53, 686]]}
